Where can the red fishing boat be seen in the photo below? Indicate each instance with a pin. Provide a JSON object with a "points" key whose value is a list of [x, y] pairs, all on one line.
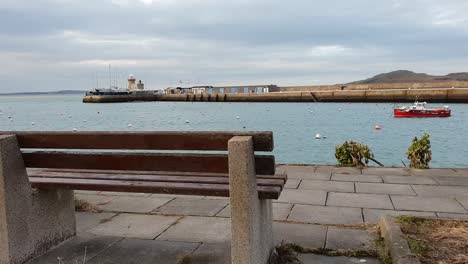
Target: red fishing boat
{"points": [[419, 109]]}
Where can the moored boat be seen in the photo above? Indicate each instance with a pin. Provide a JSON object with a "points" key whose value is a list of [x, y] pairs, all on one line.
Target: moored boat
{"points": [[419, 109]]}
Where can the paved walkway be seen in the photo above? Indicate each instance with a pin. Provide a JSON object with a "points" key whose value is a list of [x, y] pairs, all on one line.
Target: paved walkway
{"points": [[321, 207]]}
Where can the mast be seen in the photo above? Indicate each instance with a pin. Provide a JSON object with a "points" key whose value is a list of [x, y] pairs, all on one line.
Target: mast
{"points": [[110, 78]]}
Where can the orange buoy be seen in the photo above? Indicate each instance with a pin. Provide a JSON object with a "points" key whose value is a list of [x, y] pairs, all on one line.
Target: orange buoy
{"points": [[377, 127]]}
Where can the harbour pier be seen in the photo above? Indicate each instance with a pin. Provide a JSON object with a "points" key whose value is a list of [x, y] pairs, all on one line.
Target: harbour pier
{"points": [[436, 95]]}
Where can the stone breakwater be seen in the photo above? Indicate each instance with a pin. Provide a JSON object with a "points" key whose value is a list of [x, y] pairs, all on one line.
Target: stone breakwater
{"points": [[439, 95]]}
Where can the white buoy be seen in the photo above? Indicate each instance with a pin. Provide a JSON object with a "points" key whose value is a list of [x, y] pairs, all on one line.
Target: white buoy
{"points": [[186, 121], [318, 136], [32, 123], [339, 109], [129, 125], [84, 121], [74, 129], [237, 117], [9, 117]]}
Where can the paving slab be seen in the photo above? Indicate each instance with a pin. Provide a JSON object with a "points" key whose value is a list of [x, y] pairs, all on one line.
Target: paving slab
{"points": [[434, 172], [372, 216], [310, 236], [95, 199], [386, 171], [303, 197], [88, 220], [209, 253], [325, 169], [199, 229], [453, 216], [315, 259], [132, 204], [280, 211], [292, 183], [441, 191], [329, 186], [383, 188], [451, 180], [377, 201], [356, 178], [461, 172], [135, 226], [287, 168], [308, 172], [139, 251], [346, 170], [216, 198], [297, 172], [325, 215], [429, 204], [344, 238], [200, 207], [463, 201], [125, 194], [409, 180], [86, 192], [73, 250]]}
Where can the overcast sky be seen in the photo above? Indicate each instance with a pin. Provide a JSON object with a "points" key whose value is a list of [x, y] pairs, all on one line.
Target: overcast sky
{"points": [[64, 44]]}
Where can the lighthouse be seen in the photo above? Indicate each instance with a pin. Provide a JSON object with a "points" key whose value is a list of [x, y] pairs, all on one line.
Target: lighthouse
{"points": [[132, 85], [131, 82]]}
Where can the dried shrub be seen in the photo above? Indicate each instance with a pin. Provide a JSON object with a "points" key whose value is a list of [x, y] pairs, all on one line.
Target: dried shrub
{"points": [[354, 154], [419, 153], [85, 206], [285, 253]]}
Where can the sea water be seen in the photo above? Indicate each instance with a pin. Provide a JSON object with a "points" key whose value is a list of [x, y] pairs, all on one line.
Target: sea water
{"points": [[294, 125]]}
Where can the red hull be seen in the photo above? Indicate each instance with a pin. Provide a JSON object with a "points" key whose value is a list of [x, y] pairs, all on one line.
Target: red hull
{"points": [[422, 113]]}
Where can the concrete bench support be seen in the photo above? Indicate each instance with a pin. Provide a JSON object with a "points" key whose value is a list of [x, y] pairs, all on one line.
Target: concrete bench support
{"points": [[251, 218], [31, 221]]}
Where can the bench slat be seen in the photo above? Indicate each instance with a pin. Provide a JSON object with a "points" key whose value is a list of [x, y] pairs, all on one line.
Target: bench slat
{"points": [[281, 176], [263, 141], [149, 178], [264, 192], [217, 163]]}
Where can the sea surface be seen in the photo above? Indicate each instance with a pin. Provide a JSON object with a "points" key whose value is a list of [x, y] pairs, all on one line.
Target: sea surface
{"points": [[294, 125]]}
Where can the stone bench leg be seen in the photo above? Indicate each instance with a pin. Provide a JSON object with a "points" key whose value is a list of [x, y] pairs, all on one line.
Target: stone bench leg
{"points": [[251, 218], [31, 221]]}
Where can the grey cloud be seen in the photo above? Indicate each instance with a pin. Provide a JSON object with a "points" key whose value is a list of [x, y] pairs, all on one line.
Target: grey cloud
{"points": [[294, 42]]}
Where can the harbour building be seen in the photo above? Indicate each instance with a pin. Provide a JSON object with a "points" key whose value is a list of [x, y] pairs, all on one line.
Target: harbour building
{"points": [[237, 89]]}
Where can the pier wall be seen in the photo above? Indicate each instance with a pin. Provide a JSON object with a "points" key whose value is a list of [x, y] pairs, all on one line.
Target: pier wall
{"points": [[456, 95]]}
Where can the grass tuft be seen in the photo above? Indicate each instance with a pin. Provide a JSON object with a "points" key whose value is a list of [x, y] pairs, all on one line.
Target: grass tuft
{"points": [[285, 253], [382, 252], [418, 247], [184, 259]]}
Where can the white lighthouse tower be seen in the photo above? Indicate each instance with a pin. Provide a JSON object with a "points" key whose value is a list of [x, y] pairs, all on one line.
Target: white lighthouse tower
{"points": [[132, 85]]}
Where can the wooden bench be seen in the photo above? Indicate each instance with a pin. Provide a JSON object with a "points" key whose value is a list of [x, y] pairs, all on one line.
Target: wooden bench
{"points": [[56, 163]]}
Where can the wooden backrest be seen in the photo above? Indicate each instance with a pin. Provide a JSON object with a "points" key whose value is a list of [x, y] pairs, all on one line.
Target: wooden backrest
{"points": [[132, 150]]}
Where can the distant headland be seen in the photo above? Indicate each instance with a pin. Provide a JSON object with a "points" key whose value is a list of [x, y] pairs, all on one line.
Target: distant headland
{"points": [[405, 76], [46, 93]]}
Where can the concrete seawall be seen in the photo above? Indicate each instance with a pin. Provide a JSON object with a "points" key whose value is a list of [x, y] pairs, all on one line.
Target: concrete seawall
{"points": [[440, 95]]}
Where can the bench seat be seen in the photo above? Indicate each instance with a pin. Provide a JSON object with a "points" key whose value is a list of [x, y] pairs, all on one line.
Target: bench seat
{"points": [[205, 184], [40, 170]]}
